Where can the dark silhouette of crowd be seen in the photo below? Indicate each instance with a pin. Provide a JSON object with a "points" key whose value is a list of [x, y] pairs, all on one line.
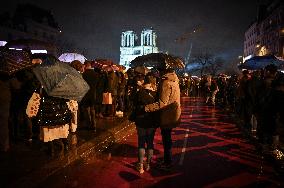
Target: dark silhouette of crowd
{"points": [[256, 97]]}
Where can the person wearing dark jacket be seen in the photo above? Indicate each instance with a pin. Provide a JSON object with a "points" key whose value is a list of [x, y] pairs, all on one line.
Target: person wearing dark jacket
{"points": [[112, 85], [145, 122], [121, 93], [101, 88], [270, 110], [89, 100]]}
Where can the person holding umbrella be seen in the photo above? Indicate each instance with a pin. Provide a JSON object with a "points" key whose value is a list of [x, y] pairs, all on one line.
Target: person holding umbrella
{"points": [[52, 105], [168, 103], [169, 107]]}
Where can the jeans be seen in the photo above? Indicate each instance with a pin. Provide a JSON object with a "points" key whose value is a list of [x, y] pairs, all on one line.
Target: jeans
{"points": [[167, 143], [146, 136]]}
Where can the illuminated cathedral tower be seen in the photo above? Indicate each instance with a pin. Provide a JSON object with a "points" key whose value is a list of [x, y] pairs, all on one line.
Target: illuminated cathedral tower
{"points": [[130, 49]]}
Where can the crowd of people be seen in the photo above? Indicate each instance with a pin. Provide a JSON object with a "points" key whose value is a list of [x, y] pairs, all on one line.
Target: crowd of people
{"points": [[30, 114], [259, 103], [256, 97], [149, 99]]}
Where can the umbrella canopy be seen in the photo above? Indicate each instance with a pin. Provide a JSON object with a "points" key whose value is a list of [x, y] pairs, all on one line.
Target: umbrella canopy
{"points": [[142, 70], [158, 60], [61, 80], [110, 68], [107, 65], [12, 61], [260, 62], [69, 57]]}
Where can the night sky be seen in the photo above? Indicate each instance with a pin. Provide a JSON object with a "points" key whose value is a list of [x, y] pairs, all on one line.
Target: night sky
{"points": [[95, 26]]}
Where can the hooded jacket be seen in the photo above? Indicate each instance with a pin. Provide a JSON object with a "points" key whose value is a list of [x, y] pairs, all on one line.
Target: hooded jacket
{"points": [[169, 101]]}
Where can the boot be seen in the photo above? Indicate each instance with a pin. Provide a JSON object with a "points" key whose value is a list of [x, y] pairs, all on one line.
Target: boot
{"points": [[150, 153], [141, 155], [139, 168]]}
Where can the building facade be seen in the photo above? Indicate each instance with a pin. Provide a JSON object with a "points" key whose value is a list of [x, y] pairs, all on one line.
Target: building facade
{"points": [[130, 47], [266, 35], [30, 22], [251, 40]]}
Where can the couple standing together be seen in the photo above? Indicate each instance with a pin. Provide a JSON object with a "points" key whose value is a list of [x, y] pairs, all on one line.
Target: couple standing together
{"points": [[156, 108]]}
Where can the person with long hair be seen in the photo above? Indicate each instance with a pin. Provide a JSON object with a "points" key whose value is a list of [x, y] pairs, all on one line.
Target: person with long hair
{"points": [[168, 107]]}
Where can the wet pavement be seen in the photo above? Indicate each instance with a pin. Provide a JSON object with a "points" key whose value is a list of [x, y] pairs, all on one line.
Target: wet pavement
{"points": [[28, 164], [209, 150]]}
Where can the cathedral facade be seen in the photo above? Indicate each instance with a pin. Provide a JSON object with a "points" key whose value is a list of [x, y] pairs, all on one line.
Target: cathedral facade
{"points": [[130, 47]]}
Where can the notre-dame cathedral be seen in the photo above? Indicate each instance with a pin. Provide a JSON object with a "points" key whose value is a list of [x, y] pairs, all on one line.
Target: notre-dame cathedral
{"points": [[130, 48]]}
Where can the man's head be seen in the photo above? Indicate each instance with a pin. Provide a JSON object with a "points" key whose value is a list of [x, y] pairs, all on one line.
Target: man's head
{"points": [[77, 65], [88, 65]]}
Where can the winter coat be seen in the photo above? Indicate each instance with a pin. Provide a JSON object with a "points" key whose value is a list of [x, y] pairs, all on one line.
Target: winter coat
{"points": [[52, 111], [53, 116], [101, 87], [144, 96], [121, 85], [168, 94], [91, 77], [112, 83]]}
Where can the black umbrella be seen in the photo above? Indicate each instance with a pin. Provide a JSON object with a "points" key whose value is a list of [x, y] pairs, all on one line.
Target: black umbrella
{"points": [[61, 80], [142, 70], [12, 61], [260, 62], [158, 60]]}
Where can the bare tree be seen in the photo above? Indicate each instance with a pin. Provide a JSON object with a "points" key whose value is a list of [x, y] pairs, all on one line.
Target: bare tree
{"points": [[203, 59], [215, 65]]}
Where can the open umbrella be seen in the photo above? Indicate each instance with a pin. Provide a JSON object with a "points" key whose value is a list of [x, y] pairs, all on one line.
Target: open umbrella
{"points": [[109, 68], [107, 65], [61, 80], [158, 60], [69, 57], [99, 63], [260, 62], [142, 70], [12, 61]]}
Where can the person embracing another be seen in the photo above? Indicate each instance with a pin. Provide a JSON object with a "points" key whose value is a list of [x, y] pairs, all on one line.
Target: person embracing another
{"points": [[169, 109], [146, 123]]}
